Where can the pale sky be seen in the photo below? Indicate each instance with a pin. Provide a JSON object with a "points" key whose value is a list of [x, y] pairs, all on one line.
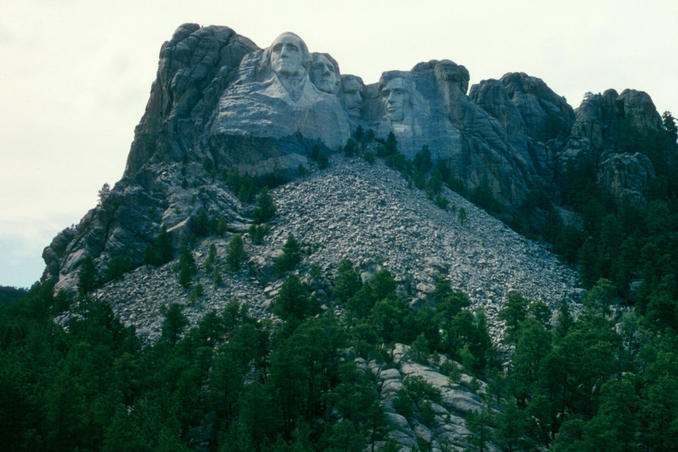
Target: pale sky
{"points": [[75, 75]]}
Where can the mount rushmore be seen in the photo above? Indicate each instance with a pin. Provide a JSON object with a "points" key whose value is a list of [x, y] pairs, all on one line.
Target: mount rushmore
{"points": [[220, 102]]}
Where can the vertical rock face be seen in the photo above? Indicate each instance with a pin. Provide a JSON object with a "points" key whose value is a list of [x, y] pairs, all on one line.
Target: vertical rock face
{"points": [[627, 175], [195, 66], [534, 118], [545, 114]]}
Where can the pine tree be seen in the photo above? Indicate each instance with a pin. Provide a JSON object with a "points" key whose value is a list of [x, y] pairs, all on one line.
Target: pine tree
{"points": [[670, 126], [265, 209], [174, 323], [348, 281], [236, 254], [291, 256], [87, 277], [514, 312], [187, 268]]}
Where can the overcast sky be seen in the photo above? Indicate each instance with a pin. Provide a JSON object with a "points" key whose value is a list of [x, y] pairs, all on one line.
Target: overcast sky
{"points": [[75, 75]]}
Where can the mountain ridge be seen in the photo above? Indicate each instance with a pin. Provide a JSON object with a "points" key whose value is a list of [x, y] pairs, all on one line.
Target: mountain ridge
{"points": [[513, 134]]}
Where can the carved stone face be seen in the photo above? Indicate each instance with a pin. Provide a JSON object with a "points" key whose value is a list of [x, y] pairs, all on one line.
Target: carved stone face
{"points": [[287, 55], [350, 96], [324, 74], [396, 96]]}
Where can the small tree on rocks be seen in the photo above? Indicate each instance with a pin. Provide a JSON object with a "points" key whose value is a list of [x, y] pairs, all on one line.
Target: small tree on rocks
{"points": [[236, 254]]}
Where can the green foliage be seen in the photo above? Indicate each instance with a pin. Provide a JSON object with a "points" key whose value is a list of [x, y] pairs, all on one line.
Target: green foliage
{"points": [[428, 414], [514, 312], [478, 422], [461, 215], [88, 278], [442, 202], [348, 281], [208, 165], [381, 286], [422, 160], [216, 276], [211, 258], [186, 268], [398, 162], [236, 254], [200, 224], [389, 147], [245, 187], [669, 124], [118, 266], [539, 311], [9, 294], [196, 293], [241, 185], [222, 226], [448, 303], [419, 389], [174, 323], [483, 196], [291, 256], [257, 233], [568, 240], [590, 383], [323, 161], [403, 403], [350, 148], [420, 349], [265, 208], [294, 300], [160, 251]]}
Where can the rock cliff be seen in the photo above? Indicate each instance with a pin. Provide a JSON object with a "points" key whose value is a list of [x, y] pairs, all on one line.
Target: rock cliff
{"points": [[220, 103]]}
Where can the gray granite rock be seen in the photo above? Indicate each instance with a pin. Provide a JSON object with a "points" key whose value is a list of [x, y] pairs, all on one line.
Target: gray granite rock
{"points": [[627, 175], [605, 124], [266, 101]]}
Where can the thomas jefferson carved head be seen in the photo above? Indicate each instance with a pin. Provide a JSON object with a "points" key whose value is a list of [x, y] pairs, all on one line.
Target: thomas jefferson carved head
{"points": [[395, 93], [325, 73], [351, 88], [288, 55]]}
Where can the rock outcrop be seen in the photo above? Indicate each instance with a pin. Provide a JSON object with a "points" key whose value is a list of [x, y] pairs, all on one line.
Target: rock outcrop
{"points": [[458, 398], [608, 130], [195, 66]]}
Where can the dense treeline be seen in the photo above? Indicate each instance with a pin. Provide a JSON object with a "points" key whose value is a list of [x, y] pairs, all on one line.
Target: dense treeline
{"points": [[9, 294], [229, 383], [600, 382], [232, 382], [631, 244]]}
